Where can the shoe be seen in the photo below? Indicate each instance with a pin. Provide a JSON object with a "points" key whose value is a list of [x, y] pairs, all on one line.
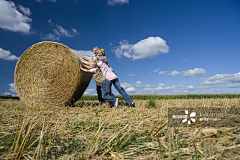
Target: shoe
{"points": [[101, 103], [132, 104], [119, 106], [116, 103]]}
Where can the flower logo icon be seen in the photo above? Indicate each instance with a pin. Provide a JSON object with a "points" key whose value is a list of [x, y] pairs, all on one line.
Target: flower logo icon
{"points": [[191, 119]]}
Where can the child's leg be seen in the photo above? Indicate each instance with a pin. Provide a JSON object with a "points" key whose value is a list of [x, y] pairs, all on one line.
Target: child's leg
{"points": [[126, 97], [107, 93], [99, 93]]}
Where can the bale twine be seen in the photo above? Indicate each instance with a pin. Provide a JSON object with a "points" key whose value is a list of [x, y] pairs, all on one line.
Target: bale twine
{"points": [[48, 74]]}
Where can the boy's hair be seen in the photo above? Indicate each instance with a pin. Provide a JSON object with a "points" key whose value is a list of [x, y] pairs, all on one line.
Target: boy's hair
{"points": [[95, 47], [102, 50]]}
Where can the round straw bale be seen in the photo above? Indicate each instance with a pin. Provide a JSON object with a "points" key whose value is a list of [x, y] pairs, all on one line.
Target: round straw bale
{"points": [[48, 74]]}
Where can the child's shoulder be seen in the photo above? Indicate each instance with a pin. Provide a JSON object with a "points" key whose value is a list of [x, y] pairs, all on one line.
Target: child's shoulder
{"points": [[102, 58]]}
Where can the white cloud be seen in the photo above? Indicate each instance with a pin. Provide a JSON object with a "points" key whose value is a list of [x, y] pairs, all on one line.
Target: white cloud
{"points": [[190, 87], [146, 48], [147, 85], [161, 89], [138, 84], [168, 88], [162, 72], [88, 91], [59, 31], [6, 55], [40, 1], [174, 87], [174, 73], [144, 90], [12, 87], [131, 74], [161, 84], [11, 19], [187, 73], [211, 82], [184, 60], [74, 30], [234, 85], [181, 86], [51, 36], [130, 89], [25, 10], [84, 53], [125, 85], [156, 70], [221, 79], [114, 2], [194, 72], [50, 21], [8, 93]]}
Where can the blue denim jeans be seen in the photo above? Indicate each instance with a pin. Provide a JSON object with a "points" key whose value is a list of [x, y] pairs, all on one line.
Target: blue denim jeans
{"points": [[126, 97], [107, 92]]}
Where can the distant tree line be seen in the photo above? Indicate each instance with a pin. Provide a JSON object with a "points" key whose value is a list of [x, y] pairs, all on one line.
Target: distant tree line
{"points": [[9, 97], [157, 97]]}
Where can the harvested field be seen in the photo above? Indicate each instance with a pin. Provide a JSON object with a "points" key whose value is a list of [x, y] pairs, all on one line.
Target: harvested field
{"points": [[93, 131]]}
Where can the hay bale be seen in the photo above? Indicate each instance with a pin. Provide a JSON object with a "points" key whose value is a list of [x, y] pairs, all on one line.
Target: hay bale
{"points": [[48, 74]]}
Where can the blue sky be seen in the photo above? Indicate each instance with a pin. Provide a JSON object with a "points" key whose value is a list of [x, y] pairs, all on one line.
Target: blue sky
{"points": [[155, 46]]}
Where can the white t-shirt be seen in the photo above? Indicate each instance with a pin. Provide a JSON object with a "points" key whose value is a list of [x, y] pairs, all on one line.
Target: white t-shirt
{"points": [[93, 70]]}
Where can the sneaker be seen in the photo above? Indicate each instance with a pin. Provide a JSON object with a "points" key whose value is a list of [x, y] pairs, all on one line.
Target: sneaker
{"points": [[119, 106], [101, 102], [132, 104], [116, 103]]}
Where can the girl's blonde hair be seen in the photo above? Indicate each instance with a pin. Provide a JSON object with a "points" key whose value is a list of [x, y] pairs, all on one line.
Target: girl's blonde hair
{"points": [[93, 63], [94, 58], [102, 50]]}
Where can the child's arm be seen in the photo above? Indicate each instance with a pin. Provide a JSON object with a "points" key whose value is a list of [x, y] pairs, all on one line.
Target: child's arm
{"points": [[85, 70], [85, 66], [83, 59]]}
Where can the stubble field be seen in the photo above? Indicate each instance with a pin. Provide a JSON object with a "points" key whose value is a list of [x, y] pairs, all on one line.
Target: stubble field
{"points": [[92, 131]]}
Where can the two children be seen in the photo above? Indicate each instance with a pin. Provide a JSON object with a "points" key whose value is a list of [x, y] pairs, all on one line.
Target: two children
{"points": [[101, 81], [110, 75], [115, 82]]}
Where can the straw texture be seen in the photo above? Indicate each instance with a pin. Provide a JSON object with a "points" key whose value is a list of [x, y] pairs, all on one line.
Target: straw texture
{"points": [[48, 74]]}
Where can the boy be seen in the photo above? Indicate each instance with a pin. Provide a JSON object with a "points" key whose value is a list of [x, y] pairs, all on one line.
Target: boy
{"points": [[98, 88], [101, 81]]}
